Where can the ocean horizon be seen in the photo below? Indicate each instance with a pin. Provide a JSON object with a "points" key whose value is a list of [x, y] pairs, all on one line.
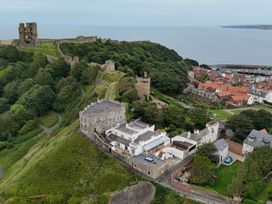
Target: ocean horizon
{"points": [[208, 45]]}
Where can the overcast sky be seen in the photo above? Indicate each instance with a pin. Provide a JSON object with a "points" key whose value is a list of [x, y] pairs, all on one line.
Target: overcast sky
{"points": [[136, 12]]}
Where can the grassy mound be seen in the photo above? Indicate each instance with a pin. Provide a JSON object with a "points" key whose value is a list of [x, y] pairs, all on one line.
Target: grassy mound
{"points": [[46, 47], [62, 168]]}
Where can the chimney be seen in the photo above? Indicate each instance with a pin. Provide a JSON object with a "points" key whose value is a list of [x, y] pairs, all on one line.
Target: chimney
{"points": [[189, 134]]}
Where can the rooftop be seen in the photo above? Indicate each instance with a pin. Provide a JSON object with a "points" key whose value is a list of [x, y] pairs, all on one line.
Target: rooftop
{"points": [[102, 106], [221, 144], [123, 128], [145, 136], [138, 124], [141, 159], [258, 138]]}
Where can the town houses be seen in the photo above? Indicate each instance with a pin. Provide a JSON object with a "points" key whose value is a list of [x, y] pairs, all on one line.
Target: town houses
{"points": [[233, 89], [139, 144]]}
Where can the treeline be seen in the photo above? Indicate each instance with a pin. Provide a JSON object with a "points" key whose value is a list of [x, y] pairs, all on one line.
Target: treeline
{"points": [[167, 69], [30, 87], [243, 123]]}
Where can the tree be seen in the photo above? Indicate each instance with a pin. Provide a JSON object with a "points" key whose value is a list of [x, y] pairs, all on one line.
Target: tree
{"points": [[44, 78], [191, 62], [38, 100], [202, 170], [199, 118], [78, 69], [174, 115], [207, 150], [240, 125], [89, 75], [39, 61], [61, 68], [66, 95], [260, 119], [4, 105], [20, 114], [250, 175], [10, 91], [8, 127]]}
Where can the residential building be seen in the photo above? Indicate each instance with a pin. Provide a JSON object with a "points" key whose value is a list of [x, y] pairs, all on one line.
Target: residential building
{"points": [[222, 149], [207, 135], [149, 165], [180, 147], [259, 96], [136, 138], [256, 139], [101, 116]]}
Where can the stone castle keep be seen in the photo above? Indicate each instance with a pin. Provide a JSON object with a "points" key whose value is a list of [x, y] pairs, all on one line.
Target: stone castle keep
{"points": [[28, 35], [101, 116], [142, 86]]}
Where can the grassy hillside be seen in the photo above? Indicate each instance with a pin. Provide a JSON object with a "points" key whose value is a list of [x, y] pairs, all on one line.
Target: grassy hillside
{"points": [[68, 168]]}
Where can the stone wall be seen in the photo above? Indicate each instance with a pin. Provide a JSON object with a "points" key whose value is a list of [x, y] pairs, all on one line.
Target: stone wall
{"points": [[142, 86]]}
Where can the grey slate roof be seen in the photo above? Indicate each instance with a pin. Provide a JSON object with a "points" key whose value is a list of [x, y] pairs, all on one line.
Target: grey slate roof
{"points": [[258, 92], [124, 129], [141, 159], [258, 139], [145, 136], [102, 106], [221, 144], [121, 140]]}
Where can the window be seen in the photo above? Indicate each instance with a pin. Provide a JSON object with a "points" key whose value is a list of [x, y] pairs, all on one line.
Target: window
{"points": [[148, 172]]}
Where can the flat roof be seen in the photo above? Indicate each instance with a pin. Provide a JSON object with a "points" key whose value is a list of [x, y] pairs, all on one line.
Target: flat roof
{"points": [[102, 106], [141, 159], [124, 129]]}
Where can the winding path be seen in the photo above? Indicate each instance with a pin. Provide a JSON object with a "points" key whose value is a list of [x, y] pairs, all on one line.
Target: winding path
{"points": [[54, 127]]}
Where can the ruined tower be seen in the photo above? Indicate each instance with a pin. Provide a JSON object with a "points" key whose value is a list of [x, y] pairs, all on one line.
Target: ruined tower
{"points": [[142, 86], [28, 35]]}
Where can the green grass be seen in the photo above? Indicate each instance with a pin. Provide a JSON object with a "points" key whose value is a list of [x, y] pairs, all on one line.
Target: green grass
{"points": [[225, 175], [49, 120], [65, 165], [220, 113], [45, 47], [18, 148]]}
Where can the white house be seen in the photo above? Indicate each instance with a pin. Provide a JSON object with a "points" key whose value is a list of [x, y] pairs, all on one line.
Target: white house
{"points": [[259, 96], [136, 137], [207, 135], [256, 139], [181, 147], [222, 149]]}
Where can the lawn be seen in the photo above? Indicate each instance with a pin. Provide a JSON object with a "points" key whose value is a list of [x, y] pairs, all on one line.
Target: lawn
{"points": [[49, 120], [45, 47], [221, 114], [225, 175]]}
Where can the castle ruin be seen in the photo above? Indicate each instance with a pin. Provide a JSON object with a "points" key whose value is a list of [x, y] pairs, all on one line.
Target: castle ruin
{"points": [[28, 35], [142, 86], [108, 66]]}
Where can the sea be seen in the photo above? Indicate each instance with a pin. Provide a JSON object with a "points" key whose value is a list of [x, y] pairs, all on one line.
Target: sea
{"points": [[208, 45]]}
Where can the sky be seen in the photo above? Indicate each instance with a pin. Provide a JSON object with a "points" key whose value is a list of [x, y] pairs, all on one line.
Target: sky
{"points": [[136, 12]]}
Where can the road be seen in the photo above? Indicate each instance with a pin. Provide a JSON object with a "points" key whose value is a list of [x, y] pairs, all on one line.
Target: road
{"points": [[54, 127]]}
